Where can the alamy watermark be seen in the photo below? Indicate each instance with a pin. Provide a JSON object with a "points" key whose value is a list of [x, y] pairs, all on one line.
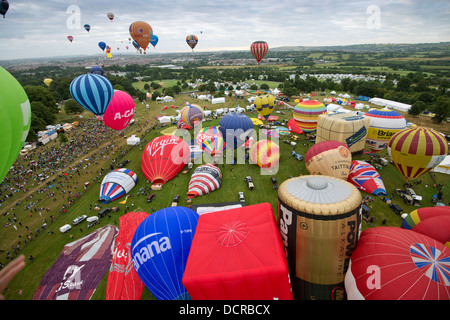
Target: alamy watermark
{"points": [[373, 22]]}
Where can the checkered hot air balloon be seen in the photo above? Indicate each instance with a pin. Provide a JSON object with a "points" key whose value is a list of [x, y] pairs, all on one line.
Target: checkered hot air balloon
{"points": [[116, 184], [259, 49], [416, 151]]}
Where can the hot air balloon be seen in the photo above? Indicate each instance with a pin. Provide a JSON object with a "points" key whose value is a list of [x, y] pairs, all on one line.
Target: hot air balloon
{"points": [[264, 104], [384, 124], [15, 120], [87, 27], [97, 70], [236, 128], [259, 49], [160, 249], [293, 126], [391, 263], [110, 16], [214, 146], [163, 158], [102, 45], [47, 81], [265, 154], [93, 92], [192, 41], [416, 151], [123, 282], [419, 215], [319, 218], [142, 33], [4, 6], [120, 110], [116, 184], [205, 179], [207, 132], [329, 158], [192, 114], [237, 254], [182, 125], [70, 38], [108, 52], [136, 45], [306, 114], [154, 40], [366, 178]]}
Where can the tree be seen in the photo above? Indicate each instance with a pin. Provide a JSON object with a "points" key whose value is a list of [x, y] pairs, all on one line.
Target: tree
{"points": [[63, 138], [71, 106], [41, 94], [417, 108], [441, 109], [42, 111]]}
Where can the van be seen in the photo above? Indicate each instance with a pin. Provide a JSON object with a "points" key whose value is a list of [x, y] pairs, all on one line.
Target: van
{"points": [[79, 219], [65, 228], [103, 212], [92, 221]]}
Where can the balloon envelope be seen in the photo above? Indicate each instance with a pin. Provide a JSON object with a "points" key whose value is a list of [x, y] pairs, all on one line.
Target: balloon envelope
{"points": [[70, 38], [97, 70], [306, 113], [236, 128], [102, 45], [192, 114], [160, 249], [116, 184], [120, 111], [293, 126], [264, 104], [265, 154], [384, 124], [4, 6], [154, 40], [259, 49], [47, 81], [205, 179], [419, 215], [142, 33], [110, 15], [192, 41], [366, 178], [87, 27], [437, 228]]}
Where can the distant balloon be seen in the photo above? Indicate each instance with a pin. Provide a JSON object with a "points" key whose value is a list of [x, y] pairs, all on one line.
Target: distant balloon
{"points": [[366, 178], [108, 52], [192, 41], [136, 45], [97, 70], [264, 104], [142, 32], [120, 111], [110, 15], [205, 179], [192, 114], [87, 27], [116, 184], [259, 49], [4, 5], [384, 124], [265, 154], [102, 45], [236, 128], [47, 81], [154, 40], [70, 38], [160, 249]]}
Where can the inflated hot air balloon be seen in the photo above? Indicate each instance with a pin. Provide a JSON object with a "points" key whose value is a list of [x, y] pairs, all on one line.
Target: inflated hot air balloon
{"points": [[306, 114], [293, 126], [93, 92], [419, 215], [192, 41], [236, 128], [384, 124], [70, 38], [437, 228], [97, 70], [142, 33], [120, 110], [15, 120], [366, 178], [110, 16], [192, 114], [154, 40], [259, 49], [214, 146], [160, 249], [87, 27], [264, 104], [102, 45], [163, 158], [136, 45], [123, 281], [391, 263], [116, 184], [329, 158], [265, 154], [4, 6], [47, 81], [205, 179], [319, 219], [416, 151], [207, 132], [182, 125]]}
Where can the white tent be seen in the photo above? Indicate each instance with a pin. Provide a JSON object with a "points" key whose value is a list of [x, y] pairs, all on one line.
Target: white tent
{"points": [[444, 166], [332, 108], [133, 140], [164, 119], [391, 104], [218, 100]]}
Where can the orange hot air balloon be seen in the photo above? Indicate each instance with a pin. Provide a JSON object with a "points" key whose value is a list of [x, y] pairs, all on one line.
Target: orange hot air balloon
{"points": [[142, 33], [265, 154]]}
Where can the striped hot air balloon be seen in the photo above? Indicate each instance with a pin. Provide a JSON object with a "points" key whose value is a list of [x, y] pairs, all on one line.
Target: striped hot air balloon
{"points": [[205, 179], [416, 151], [214, 145], [259, 49], [265, 154], [192, 114], [116, 184], [93, 92], [192, 41], [384, 124], [419, 215], [306, 114]]}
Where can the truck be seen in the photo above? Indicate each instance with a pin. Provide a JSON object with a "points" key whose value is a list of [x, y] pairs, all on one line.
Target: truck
{"points": [[249, 181]]}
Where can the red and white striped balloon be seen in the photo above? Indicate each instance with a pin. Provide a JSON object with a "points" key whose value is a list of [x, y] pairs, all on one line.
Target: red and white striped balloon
{"points": [[259, 49]]}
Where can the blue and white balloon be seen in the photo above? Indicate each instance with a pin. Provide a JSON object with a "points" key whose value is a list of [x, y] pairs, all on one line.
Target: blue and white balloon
{"points": [[116, 184]]}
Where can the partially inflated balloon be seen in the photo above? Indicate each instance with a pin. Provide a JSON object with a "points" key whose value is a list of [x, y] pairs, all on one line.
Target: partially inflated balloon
{"points": [[264, 104], [366, 178], [116, 184], [259, 49], [120, 110], [265, 154], [205, 179], [142, 32], [192, 41]]}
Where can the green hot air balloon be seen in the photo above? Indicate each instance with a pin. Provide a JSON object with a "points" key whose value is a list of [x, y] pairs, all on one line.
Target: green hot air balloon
{"points": [[15, 120]]}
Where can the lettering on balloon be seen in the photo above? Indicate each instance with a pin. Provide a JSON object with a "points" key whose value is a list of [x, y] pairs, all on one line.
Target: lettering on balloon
{"points": [[127, 114]]}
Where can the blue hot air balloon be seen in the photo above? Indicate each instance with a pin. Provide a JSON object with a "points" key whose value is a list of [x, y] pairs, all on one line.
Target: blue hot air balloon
{"points": [[102, 45], [87, 27], [235, 128], [93, 92], [154, 40], [160, 248], [116, 184], [97, 70]]}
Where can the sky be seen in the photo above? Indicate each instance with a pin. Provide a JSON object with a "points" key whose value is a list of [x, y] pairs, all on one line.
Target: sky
{"points": [[35, 29]]}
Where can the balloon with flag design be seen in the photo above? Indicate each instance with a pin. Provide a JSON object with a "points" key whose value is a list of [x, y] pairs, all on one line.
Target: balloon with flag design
{"points": [[366, 178], [205, 179]]}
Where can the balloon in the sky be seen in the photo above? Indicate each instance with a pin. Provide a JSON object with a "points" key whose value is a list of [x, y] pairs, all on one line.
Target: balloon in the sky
{"points": [[70, 38], [116, 184], [192, 41], [160, 249], [265, 153], [192, 115], [4, 5], [48, 81], [391, 263], [416, 151], [366, 178], [87, 27], [419, 215], [264, 104], [108, 52], [205, 179], [136, 45], [120, 111], [93, 92], [384, 123], [97, 70], [110, 16], [163, 158], [236, 128], [142, 32], [306, 113], [15, 120], [329, 158], [102, 45], [259, 49], [154, 40]]}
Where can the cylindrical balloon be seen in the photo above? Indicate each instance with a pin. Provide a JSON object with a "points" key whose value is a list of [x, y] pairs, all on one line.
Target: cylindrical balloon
{"points": [[192, 41], [319, 219], [264, 104], [142, 32], [93, 92], [306, 113], [163, 158], [329, 158], [160, 249], [416, 151], [120, 111], [259, 49], [384, 124], [391, 263], [192, 114], [265, 154], [236, 128], [15, 120]]}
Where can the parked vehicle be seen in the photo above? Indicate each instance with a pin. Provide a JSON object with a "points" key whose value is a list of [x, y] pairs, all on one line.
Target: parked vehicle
{"points": [[241, 197], [249, 181], [79, 219], [274, 182]]}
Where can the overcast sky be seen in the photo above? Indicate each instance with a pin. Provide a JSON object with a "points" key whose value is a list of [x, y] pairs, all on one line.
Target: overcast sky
{"points": [[40, 28]]}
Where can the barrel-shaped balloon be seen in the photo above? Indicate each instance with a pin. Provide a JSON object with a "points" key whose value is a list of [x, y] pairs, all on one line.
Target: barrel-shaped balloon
{"points": [[384, 123], [391, 263], [205, 179], [160, 249], [329, 158], [142, 33], [265, 153], [419, 215], [102, 45], [116, 184], [192, 41], [93, 92], [416, 151], [366, 178], [120, 111], [306, 113], [15, 120], [319, 219], [192, 114], [259, 49], [264, 104], [236, 128], [163, 158], [97, 70]]}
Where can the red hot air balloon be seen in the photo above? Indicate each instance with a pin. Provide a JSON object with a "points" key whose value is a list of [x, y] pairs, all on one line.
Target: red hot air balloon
{"points": [[259, 50], [120, 110], [70, 38], [163, 158]]}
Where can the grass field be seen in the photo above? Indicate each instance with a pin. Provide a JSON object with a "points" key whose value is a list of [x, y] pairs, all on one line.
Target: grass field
{"points": [[46, 247]]}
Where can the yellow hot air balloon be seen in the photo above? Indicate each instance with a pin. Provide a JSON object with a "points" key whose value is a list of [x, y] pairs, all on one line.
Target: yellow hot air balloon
{"points": [[416, 151], [265, 153], [47, 81], [264, 104]]}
